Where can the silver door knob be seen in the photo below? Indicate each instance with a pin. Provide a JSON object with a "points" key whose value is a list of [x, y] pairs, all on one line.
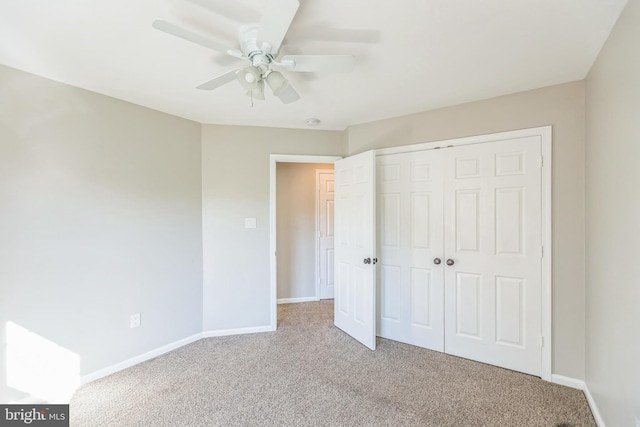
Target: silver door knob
{"points": [[437, 261], [450, 262]]}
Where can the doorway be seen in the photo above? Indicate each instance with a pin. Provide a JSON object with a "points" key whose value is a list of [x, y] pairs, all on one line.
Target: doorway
{"points": [[304, 231], [295, 278]]}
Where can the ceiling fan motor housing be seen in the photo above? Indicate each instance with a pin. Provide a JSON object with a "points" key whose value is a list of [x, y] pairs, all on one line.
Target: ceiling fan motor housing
{"points": [[248, 36]]}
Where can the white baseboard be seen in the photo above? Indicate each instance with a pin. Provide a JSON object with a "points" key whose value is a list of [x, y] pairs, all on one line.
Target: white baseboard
{"points": [[138, 359], [295, 300], [594, 408], [568, 381], [580, 385], [238, 331], [160, 351]]}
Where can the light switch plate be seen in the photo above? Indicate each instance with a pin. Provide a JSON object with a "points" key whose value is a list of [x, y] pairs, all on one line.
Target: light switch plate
{"points": [[250, 223]]}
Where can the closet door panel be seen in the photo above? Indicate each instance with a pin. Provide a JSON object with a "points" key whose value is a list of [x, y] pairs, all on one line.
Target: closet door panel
{"points": [[492, 213], [411, 293], [355, 280]]}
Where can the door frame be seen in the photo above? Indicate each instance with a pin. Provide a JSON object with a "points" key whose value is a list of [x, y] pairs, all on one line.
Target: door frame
{"points": [[318, 173], [545, 135], [273, 262]]}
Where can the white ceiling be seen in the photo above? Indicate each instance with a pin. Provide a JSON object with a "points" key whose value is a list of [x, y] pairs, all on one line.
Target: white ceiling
{"points": [[411, 55]]}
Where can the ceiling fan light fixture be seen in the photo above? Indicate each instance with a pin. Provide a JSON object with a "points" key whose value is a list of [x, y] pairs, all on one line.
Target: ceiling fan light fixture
{"points": [[276, 82], [281, 87], [249, 78], [287, 94], [257, 92]]}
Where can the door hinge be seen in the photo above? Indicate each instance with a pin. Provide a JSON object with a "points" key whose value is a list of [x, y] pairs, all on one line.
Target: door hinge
{"points": [[541, 161], [541, 251], [541, 340]]}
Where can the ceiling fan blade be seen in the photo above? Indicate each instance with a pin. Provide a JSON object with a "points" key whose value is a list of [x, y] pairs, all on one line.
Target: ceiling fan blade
{"points": [[288, 94], [223, 79], [324, 31], [318, 63], [276, 19], [174, 30], [231, 9]]}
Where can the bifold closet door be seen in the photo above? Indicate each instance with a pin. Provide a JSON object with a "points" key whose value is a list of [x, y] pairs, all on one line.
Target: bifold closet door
{"points": [[410, 246], [492, 215], [459, 234]]}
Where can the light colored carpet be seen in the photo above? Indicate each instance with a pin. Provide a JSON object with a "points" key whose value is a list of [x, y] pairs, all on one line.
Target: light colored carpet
{"points": [[309, 373]]}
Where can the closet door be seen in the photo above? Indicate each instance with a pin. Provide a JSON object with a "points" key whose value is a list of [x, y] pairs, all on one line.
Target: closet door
{"points": [[492, 211], [410, 248], [355, 286]]}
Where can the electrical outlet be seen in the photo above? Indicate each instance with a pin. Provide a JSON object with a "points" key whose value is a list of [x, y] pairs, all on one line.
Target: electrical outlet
{"points": [[134, 320]]}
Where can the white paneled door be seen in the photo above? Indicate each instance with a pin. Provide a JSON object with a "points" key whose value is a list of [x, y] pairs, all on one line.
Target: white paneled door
{"points": [[326, 233], [355, 286], [410, 246], [492, 253]]}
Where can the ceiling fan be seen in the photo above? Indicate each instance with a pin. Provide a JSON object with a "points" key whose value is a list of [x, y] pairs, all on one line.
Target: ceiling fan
{"points": [[260, 44]]}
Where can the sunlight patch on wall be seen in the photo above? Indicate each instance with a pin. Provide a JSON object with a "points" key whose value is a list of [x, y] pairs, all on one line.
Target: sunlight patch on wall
{"points": [[40, 367]]}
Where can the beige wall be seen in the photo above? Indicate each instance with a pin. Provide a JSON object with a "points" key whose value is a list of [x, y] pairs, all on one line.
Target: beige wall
{"points": [[235, 185], [100, 217], [296, 228], [613, 224], [560, 106]]}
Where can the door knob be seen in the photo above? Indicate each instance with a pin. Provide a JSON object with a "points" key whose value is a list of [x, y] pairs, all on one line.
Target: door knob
{"points": [[450, 262], [437, 261], [367, 261], [375, 260]]}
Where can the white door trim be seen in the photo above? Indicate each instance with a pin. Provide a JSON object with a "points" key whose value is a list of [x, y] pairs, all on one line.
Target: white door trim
{"points": [[547, 240], [318, 173], [478, 139], [273, 277], [545, 135]]}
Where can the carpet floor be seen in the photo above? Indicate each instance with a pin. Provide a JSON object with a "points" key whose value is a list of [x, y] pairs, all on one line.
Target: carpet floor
{"points": [[309, 373]]}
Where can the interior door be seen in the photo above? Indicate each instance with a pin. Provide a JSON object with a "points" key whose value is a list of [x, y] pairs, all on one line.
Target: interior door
{"points": [[410, 248], [326, 235], [355, 290], [493, 253]]}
